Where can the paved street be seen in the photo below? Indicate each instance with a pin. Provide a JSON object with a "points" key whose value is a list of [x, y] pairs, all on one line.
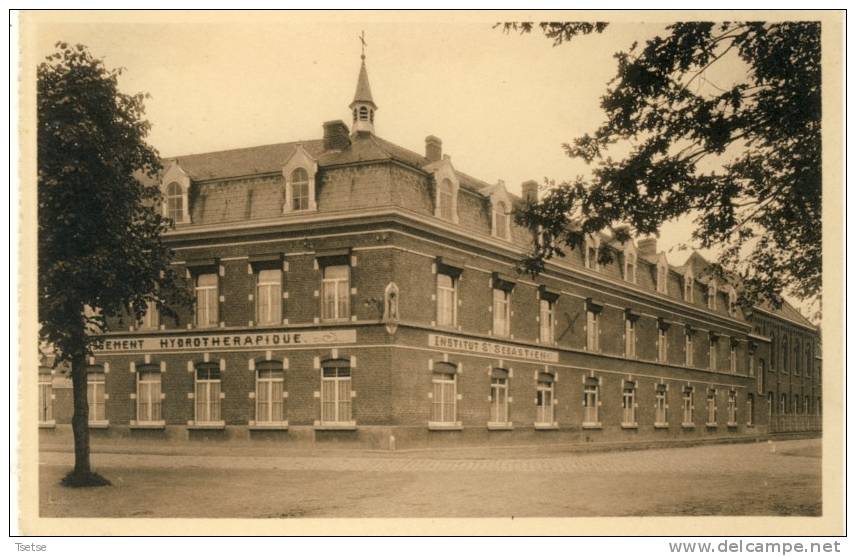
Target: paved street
{"points": [[730, 479]]}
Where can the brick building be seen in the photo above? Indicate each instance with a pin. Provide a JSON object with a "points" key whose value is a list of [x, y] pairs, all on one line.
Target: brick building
{"points": [[350, 289]]}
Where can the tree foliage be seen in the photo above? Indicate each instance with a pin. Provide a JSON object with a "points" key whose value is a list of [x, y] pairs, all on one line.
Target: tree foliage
{"points": [[743, 159], [99, 233]]}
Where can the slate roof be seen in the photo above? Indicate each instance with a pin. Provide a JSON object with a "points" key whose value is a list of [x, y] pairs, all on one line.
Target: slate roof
{"points": [[264, 159]]}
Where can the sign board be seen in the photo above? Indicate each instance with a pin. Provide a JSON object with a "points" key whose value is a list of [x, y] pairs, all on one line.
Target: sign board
{"points": [[224, 341], [492, 348]]}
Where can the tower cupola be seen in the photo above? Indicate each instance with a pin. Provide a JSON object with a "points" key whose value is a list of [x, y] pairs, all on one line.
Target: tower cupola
{"points": [[363, 107]]}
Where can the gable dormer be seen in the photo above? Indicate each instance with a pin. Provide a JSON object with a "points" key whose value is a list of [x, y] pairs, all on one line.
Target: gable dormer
{"points": [[175, 188], [446, 185], [299, 172], [500, 211]]}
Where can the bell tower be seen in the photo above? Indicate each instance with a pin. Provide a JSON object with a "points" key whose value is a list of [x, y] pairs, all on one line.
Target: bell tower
{"points": [[363, 107]]}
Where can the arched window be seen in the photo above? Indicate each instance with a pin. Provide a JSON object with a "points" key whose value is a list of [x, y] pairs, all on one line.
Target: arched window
{"points": [[299, 189], [174, 202], [445, 199], [500, 220]]}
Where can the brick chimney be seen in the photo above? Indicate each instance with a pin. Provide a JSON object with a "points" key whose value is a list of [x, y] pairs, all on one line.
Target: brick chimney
{"points": [[647, 247], [336, 136], [433, 148], [529, 190]]}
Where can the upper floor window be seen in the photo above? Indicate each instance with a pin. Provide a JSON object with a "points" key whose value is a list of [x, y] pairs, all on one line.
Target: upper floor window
{"points": [[151, 318], [630, 264], [299, 189], [501, 312], [662, 344], [591, 250], [713, 345], [335, 292], [545, 321], [711, 296], [689, 281], [662, 277], [175, 202], [732, 302], [207, 300], [501, 221], [269, 296], [732, 358], [445, 199], [592, 330], [447, 299], [688, 347], [629, 336]]}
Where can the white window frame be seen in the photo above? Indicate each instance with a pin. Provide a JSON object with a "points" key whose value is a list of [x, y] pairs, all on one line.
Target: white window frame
{"points": [[591, 403], [661, 405], [268, 296], [711, 409], [629, 337], [546, 321], [711, 295], [631, 263], [149, 408], [713, 345], [689, 287], [207, 392], [501, 221], [444, 396], [174, 203], [499, 397], [151, 318], [501, 312], [337, 394], [270, 394], [732, 408], [732, 302], [628, 404], [294, 183], [207, 301], [46, 398], [732, 358], [662, 345], [688, 407], [96, 396], [341, 293], [592, 331], [447, 300], [592, 246], [545, 395], [446, 200], [689, 348], [750, 409]]}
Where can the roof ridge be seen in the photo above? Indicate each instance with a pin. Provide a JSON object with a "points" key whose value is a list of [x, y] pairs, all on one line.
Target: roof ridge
{"points": [[239, 149]]}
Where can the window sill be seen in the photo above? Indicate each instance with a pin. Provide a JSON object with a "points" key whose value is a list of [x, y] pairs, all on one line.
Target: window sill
{"points": [[335, 321], [661, 425], [711, 425], [147, 425], [732, 425], [211, 425], [440, 426], [546, 426], [592, 426], [268, 426], [750, 425], [500, 426], [344, 426], [47, 424], [629, 425], [99, 424], [687, 425]]}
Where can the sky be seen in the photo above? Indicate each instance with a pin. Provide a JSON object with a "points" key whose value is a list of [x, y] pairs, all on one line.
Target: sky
{"points": [[503, 104]]}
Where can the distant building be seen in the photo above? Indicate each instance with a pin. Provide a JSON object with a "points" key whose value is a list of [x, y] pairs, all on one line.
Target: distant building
{"points": [[347, 288]]}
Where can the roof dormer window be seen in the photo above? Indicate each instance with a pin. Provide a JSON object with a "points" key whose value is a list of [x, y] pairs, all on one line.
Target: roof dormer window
{"points": [[689, 280], [630, 262], [299, 194], [501, 221], [445, 200], [662, 276], [711, 295], [174, 202], [592, 247], [732, 302]]}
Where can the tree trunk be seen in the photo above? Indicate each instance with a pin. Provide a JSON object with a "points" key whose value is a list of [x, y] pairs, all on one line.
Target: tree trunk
{"points": [[80, 418]]}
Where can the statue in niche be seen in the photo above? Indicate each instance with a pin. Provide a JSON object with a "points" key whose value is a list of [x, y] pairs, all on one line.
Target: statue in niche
{"points": [[390, 307]]}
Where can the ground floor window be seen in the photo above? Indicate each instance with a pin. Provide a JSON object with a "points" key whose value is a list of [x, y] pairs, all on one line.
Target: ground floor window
{"points": [[95, 380], [687, 418], [591, 394], [444, 393], [661, 416], [732, 407], [499, 396], [770, 400], [148, 395], [45, 397], [544, 395], [711, 407], [207, 394], [628, 404], [750, 409], [270, 379], [783, 404], [336, 391]]}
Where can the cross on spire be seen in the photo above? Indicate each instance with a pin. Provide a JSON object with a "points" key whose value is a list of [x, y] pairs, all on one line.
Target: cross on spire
{"points": [[363, 44]]}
